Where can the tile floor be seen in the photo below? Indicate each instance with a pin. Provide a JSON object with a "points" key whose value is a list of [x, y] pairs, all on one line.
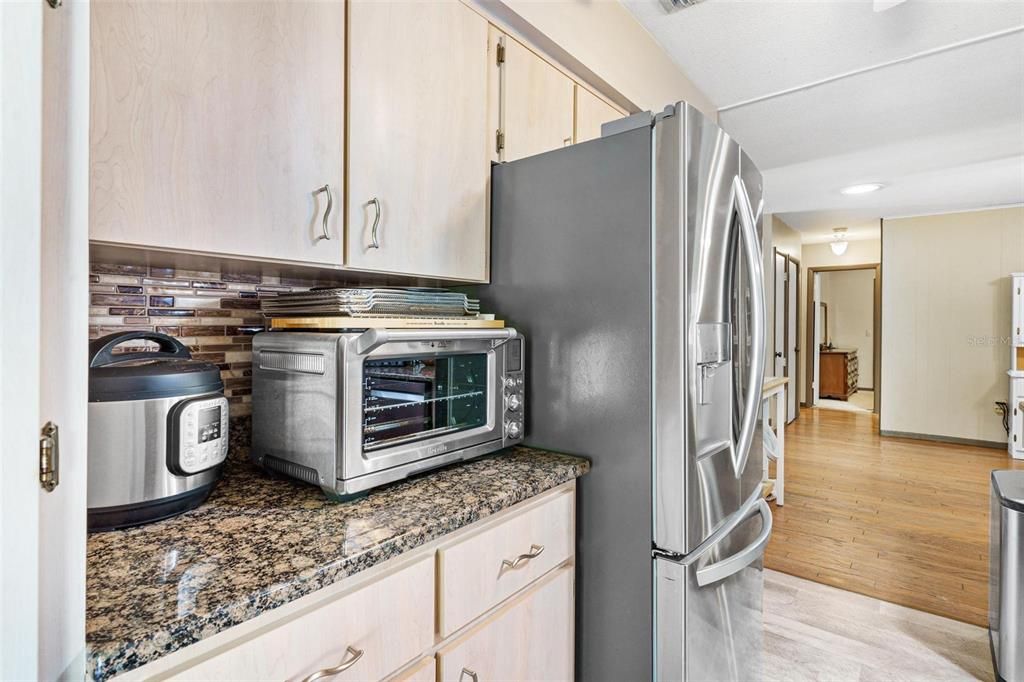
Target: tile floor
{"points": [[818, 632]]}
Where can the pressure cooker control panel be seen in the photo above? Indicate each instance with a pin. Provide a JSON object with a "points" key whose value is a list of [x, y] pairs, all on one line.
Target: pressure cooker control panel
{"points": [[197, 435]]}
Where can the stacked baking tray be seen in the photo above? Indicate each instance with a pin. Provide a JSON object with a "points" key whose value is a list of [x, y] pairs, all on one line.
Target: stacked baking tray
{"points": [[381, 302]]}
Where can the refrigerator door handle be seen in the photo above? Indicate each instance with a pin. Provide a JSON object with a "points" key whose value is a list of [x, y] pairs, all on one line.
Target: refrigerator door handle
{"points": [[720, 570], [752, 252]]}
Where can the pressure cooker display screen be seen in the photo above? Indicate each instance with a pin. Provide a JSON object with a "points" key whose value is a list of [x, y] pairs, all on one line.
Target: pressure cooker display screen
{"points": [[209, 424]]}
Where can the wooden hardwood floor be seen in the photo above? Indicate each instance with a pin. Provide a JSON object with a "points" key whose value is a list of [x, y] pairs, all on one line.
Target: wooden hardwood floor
{"points": [[901, 520]]}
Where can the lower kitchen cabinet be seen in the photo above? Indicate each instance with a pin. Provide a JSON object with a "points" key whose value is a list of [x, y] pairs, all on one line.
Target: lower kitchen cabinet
{"points": [[507, 582], [530, 639], [364, 635]]}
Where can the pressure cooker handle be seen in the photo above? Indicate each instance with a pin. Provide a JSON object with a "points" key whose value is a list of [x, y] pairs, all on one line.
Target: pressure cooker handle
{"points": [[101, 350]]}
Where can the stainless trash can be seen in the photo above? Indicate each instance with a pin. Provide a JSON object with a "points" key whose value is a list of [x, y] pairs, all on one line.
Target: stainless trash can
{"points": [[1006, 575]]}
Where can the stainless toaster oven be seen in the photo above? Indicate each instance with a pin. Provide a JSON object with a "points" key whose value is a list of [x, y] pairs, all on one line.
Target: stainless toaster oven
{"points": [[351, 411]]}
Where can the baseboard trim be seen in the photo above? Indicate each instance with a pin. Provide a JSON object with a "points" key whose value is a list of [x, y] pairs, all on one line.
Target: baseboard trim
{"points": [[944, 439]]}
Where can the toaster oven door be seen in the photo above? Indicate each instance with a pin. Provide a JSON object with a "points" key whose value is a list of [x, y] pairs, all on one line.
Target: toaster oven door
{"points": [[417, 399]]}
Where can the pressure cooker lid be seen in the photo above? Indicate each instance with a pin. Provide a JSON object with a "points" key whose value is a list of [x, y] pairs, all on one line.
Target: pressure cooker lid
{"points": [[167, 372]]}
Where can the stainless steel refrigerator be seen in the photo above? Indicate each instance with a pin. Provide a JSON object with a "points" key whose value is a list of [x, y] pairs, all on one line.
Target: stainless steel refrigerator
{"points": [[633, 265]]}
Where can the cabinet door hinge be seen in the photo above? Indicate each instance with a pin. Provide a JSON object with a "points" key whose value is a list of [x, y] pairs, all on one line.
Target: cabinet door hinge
{"points": [[49, 457], [501, 54], [499, 141]]}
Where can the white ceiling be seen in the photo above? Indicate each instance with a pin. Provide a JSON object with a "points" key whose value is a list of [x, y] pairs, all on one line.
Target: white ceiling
{"points": [[943, 131]]}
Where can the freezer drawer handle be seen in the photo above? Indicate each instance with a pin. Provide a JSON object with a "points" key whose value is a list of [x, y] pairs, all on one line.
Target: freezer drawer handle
{"points": [[513, 564], [720, 570]]}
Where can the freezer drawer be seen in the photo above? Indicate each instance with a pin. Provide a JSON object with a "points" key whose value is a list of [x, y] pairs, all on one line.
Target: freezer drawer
{"points": [[708, 607]]}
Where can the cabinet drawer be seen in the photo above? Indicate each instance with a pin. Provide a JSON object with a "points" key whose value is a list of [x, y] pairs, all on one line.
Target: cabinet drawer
{"points": [[390, 621], [530, 639], [479, 572]]}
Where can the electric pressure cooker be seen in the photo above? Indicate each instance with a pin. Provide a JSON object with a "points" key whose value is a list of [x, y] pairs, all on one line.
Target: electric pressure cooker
{"points": [[158, 430]]}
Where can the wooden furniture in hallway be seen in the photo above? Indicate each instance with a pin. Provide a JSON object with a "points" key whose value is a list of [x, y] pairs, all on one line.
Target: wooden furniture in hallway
{"points": [[774, 449], [901, 520], [839, 372]]}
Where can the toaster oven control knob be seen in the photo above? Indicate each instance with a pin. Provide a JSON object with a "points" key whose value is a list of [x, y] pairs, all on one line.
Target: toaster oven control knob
{"points": [[510, 382], [519, 382], [513, 429], [513, 402]]}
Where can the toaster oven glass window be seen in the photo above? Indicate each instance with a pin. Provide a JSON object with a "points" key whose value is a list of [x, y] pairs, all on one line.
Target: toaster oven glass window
{"points": [[407, 400]]}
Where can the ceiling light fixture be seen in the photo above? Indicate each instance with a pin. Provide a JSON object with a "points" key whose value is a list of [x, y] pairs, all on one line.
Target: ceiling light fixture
{"points": [[839, 242], [862, 189]]}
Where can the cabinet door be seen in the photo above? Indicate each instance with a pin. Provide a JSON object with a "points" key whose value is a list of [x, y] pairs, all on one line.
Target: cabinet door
{"points": [[1016, 417], [591, 113], [213, 124], [419, 165], [531, 639], [1018, 310], [538, 98]]}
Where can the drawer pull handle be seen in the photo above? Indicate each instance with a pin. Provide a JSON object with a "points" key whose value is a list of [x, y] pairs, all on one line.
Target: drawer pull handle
{"points": [[466, 672], [513, 564], [355, 654]]}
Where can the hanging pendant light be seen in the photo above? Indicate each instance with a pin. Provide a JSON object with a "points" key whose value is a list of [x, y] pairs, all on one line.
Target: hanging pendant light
{"points": [[839, 242]]}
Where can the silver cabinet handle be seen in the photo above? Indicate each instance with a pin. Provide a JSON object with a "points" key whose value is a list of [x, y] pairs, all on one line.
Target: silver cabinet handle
{"points": [[327, 212], [512, 564], [345, 664], [470, 674], [374, 244]]}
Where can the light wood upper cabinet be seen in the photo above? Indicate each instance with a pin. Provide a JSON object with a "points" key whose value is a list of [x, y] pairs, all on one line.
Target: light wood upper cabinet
{"points": [[591, 113], [538, 104], [419, 162], [213, 124]]}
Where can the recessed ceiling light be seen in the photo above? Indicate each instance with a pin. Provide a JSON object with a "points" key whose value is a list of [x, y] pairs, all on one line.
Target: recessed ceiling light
{"points": [[862, 189]]}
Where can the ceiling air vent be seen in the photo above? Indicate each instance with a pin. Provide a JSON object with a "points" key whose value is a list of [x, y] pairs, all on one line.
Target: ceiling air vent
{"points": [[675, 5]]}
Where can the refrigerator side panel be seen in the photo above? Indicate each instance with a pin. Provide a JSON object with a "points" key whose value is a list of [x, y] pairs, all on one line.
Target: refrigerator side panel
{"points": [[571, 264]]}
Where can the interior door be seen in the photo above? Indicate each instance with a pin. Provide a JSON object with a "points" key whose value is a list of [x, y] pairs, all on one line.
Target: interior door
{"points": [[792, 339], [43, 335], [818, 322], [419, 159], [779, 325]]}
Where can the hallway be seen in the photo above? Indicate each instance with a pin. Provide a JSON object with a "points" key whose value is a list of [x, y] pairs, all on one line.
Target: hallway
{"points": [[901, 520]]}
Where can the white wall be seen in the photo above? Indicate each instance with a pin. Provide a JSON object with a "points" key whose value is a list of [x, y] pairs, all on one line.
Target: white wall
{"points": [[860, 252], [946, 321], [606, 39], [850, 295]]}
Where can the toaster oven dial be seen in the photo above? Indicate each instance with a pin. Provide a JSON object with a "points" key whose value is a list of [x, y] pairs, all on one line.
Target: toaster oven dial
{"points": [[509, 382], [513, 402], [513, 429]]}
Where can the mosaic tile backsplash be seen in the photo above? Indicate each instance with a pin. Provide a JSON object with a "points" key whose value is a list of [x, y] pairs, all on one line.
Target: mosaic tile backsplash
{"points": [[215, 314]]}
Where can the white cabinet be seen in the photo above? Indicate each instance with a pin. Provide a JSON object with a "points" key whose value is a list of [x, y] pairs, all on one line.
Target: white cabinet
{"points": [[214, 123], [1016, 410], [530, 639], [538, 104], [419, 160], [591, 113], [1017, 304]]}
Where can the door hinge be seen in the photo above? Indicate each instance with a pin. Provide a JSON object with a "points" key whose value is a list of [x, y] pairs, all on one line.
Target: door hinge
{"points": [[500, 54], [499, 141], [49, 457]]}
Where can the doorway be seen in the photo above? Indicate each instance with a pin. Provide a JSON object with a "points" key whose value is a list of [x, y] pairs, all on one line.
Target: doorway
{"points": [[844, 337], [785, 333]]}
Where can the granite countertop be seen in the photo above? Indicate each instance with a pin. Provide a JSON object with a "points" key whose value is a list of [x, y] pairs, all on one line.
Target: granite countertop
{"points": [[261, 542]]}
